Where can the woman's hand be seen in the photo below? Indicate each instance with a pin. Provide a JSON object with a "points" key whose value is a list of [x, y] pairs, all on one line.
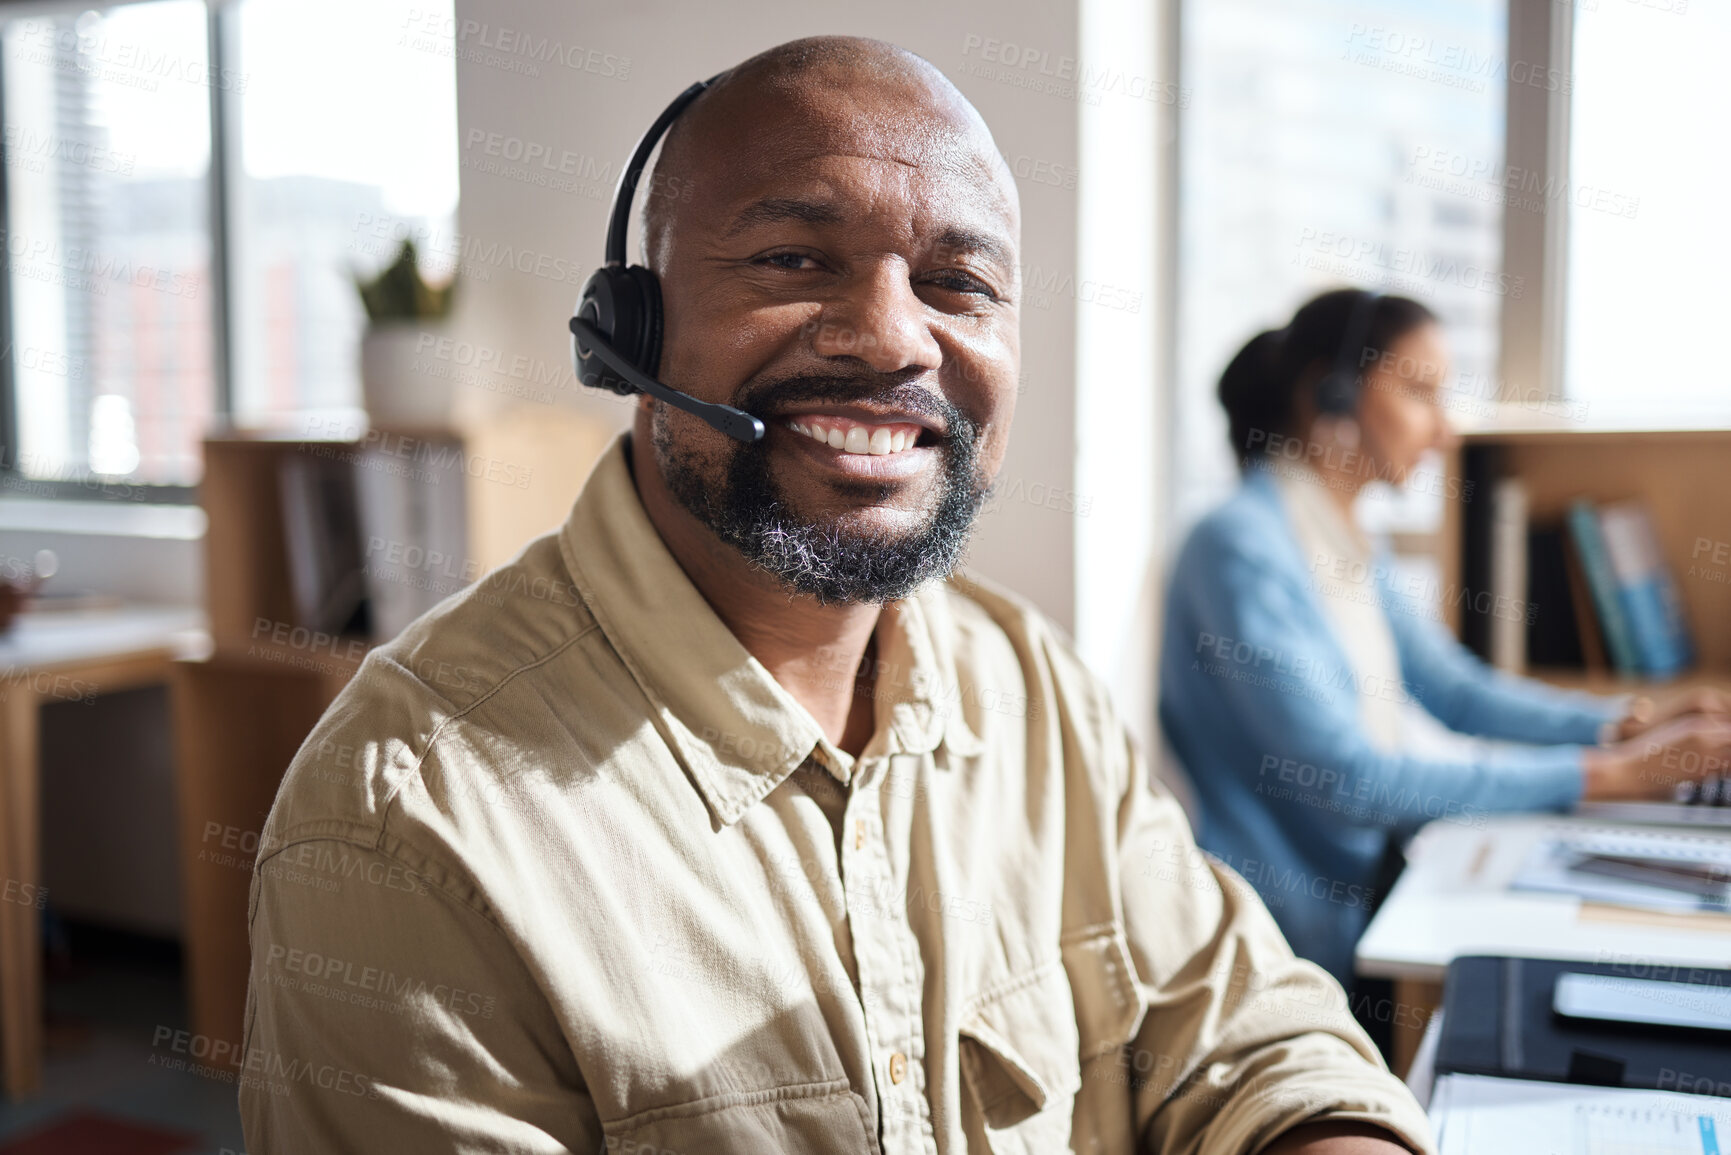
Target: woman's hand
{"points": [[1645, 713], [1686, 748]]}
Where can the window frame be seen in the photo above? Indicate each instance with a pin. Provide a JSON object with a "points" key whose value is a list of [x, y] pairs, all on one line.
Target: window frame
{"points": [[219, 23], [1535, 246]]}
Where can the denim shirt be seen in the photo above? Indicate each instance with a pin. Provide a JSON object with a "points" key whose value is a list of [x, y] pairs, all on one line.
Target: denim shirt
{"points": [[1265, 712]]}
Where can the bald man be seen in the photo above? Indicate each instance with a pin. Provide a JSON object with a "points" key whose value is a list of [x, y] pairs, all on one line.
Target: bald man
{"points": [[727, 818]]}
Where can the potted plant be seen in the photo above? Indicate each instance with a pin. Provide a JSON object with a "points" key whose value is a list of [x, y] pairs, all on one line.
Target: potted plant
{"points": [[397, 386]]}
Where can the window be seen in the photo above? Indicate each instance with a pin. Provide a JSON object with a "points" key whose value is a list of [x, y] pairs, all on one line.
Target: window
{"points": [[335, 145], [325, 157], [1325, 145], [107, 137], [1649, 237]]}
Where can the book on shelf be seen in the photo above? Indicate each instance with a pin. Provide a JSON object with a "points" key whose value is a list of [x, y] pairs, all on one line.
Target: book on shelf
{"points": [[1509, 573], [1587, 631], [1553, 620], [1601, 583], [1645, 589], [322, 541], [415, 532], [1589, 589], [373, 539], [1481, 469]]}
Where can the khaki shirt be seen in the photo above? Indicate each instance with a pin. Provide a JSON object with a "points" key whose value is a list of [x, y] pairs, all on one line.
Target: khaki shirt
{"points": [[565, 869]]}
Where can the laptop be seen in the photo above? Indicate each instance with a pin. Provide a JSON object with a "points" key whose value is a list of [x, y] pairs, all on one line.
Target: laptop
{"points": [[1703, 803]]}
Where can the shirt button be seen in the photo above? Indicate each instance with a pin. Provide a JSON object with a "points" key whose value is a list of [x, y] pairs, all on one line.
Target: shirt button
{"points": [[859, 834], [898, 1067]]}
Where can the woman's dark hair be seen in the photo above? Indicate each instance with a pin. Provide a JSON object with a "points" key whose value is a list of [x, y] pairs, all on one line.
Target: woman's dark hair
{"points": [[1261, 386]]}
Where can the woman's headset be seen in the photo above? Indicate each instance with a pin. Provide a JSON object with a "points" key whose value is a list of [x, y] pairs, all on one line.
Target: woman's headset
{"points": [[1337, 392]]}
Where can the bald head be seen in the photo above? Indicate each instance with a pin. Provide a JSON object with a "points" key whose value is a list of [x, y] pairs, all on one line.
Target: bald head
{"points": [[818, 95]]}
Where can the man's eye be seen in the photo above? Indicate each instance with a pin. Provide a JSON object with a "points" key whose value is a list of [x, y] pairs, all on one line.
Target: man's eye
{"points": [[796, 262], [960, 282]]}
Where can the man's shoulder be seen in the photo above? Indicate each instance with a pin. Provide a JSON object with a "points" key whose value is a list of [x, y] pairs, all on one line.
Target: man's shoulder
{"points": [[986, 612], [409, 693], [509, 621], [993, 625]]}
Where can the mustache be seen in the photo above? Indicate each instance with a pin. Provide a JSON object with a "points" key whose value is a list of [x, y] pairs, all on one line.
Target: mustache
{"points": [[770, 399]]}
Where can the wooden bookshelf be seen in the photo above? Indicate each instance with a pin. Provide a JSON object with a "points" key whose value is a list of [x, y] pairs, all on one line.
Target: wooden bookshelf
{"points": [[246, 550], [1684, 476]]}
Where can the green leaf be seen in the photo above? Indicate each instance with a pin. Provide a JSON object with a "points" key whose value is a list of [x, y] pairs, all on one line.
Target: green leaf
{"points": [[398, 292]]}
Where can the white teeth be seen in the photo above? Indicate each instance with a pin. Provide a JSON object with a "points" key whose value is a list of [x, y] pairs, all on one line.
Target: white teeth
{"points": [[874, 440]]}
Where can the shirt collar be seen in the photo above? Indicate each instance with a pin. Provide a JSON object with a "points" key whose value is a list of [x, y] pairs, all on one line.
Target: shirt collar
{"points": [[735, 729]]}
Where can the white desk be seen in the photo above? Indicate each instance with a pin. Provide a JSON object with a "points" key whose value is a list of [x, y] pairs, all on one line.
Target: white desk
{"points": [[57, 656], [1454, 900]]}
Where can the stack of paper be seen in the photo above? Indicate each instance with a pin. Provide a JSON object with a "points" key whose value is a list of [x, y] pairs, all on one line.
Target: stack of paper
{"points": [[1479, 1115], [1556, 866]]}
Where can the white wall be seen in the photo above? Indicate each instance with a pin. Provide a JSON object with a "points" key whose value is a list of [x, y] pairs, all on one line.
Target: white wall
{"points": [[1129, 137], [1007, 57]]}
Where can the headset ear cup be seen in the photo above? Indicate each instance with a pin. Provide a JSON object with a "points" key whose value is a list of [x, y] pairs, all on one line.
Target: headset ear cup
{"points": [[625, 304], [1337, 394], [612, 302], [647, 355]]}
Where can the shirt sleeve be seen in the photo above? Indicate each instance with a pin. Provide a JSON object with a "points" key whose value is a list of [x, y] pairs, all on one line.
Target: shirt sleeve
{"points": [[1280, 677], [1467, 694], [1242, 1041], [386, 1014]]}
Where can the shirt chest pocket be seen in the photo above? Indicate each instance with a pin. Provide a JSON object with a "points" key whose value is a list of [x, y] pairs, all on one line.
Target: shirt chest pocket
{"points": [[820, 1118], [1024, 1042]]}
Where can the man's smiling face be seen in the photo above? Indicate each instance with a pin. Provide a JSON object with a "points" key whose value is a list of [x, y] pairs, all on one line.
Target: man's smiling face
{"points": [[846, 270]]}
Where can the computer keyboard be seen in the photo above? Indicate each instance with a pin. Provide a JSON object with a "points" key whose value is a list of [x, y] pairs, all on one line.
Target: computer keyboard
{"points": [[1706, 802]]}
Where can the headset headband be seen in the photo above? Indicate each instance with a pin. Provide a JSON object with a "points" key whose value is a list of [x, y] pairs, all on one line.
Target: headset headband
{"points": [[1350, 358], [620, 219], [1337, 390]]}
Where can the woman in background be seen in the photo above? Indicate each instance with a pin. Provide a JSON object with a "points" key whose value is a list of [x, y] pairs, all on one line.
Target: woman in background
{"points": [[1317, 708]]}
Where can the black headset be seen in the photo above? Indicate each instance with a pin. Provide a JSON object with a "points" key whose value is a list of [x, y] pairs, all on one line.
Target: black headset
{"points": [[1338, 390], [616, 332]]}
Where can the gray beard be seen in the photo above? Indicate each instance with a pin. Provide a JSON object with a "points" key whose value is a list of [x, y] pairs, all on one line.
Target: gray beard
{"points": [[746, 509]]}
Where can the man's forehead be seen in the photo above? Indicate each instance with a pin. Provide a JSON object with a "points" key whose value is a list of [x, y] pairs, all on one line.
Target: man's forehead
{"points": [[834, 145], [863, 109], [933, 203], [773, 174], [863, 124]]}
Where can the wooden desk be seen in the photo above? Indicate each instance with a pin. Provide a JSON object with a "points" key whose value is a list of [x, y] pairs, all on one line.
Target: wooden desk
{"points": [[47, 657], [1453, 899]]}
